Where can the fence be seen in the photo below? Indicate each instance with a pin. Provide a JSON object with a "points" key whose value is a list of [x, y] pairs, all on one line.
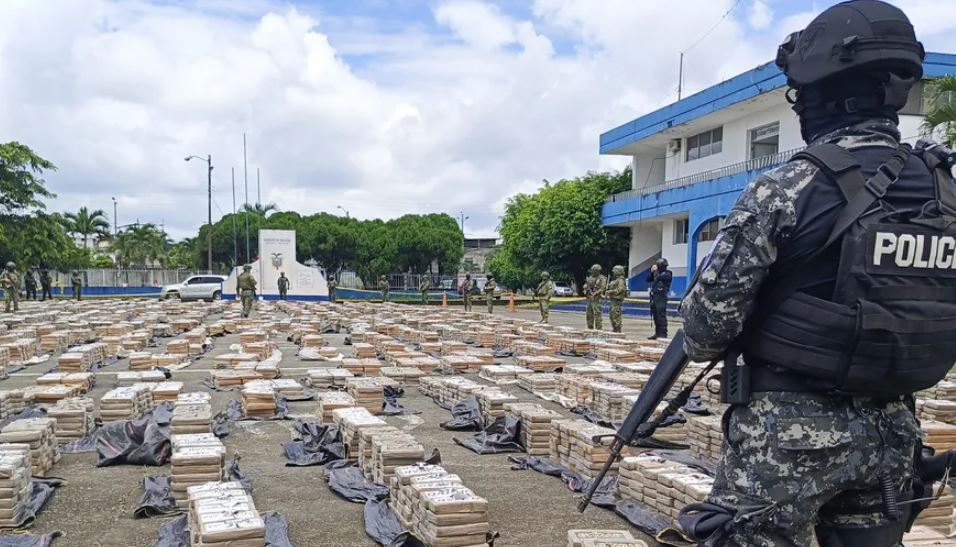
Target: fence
{"points": [[399, 282], [125, 278]]}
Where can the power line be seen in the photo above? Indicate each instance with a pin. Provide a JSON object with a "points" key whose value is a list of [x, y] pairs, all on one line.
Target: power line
{"points": [[713, 28]]}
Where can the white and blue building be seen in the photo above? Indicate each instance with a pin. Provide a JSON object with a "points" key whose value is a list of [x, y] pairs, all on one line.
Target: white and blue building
{"points": [[691, 159]]}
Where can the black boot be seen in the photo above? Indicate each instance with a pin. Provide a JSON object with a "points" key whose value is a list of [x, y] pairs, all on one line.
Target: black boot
{"points": [[652, 337]]}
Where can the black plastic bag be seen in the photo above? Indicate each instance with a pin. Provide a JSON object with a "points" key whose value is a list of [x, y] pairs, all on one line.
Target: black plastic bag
{"points": [[27, 540], [232, 472], [157, 498], [221, 421], [317, 444], [41, 490], [466, 416], [143, 441], [392, 407], [81, 446], [501, 436], [175, 533], [384, 528], [348, 481]]}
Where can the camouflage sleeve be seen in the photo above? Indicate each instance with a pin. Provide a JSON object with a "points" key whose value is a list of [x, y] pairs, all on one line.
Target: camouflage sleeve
{"points": [[723, 294]]}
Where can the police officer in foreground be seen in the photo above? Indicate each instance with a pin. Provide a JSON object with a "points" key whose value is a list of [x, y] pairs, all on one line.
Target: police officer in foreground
{"points": [[283, 285], [818, 278], [616, 293], [659, 282], [246, 289], [10, 283], [46, 283], [594, 286], [332, 284]]}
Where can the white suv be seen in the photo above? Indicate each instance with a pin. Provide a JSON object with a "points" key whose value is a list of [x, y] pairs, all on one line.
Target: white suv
{"points": [[197, 287]]}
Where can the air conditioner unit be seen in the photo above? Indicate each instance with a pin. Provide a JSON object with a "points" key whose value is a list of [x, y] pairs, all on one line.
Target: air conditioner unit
{"points": [[674, 145]]}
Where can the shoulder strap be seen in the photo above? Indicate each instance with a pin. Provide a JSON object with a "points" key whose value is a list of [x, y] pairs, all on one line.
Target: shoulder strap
{"points": [[858, 203], [838, 163]]}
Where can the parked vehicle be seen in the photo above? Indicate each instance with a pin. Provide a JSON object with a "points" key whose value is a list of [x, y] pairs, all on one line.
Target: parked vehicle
{"points": [[197, 287], [563, 290]]}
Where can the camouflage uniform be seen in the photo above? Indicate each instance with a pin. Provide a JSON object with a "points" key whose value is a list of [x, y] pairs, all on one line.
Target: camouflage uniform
{"points": [[544, 292], [10, 282], [466, 289], [283, 283], [45, 284], [246, 287], [332, 283], [790, 461], [594, 287], [30, 284], [423, 287], [617, 292], [489, 290], [77, 283], [383, 286]]}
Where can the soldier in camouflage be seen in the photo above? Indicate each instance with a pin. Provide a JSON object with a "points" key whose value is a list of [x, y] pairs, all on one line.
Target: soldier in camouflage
{"points": [[800, 461], [489, 290], [543, 293], [594, 287], [76, 281], [10, 282], [332, 283], [383, 286], [423, 287], [616, 293], [467, 288], [283, 284], [246, 289]]}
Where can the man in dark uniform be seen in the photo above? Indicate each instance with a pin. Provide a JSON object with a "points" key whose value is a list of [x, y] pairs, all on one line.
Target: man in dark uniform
{"points": [[30, 283], [659, 282], [76, 281], [283, 284], [815, 279], [45, 283]]}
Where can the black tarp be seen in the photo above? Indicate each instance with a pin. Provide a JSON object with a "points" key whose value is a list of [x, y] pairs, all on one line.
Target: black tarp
{"points": [[81, 446], [175, 533], [143, 441], [28, 412], [501, 436], [41, 490], [28, 540], [317, 444], [383, 526], [465, 416], [157, 498], [347, 480]]}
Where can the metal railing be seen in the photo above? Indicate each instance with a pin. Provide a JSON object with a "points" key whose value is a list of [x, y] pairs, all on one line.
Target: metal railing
{"points": [[125, 278], [756, 164]]}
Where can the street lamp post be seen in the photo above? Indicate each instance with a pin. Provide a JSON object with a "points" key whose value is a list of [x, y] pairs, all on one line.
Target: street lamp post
{"points": [[115, 220], [344, 210], [208, 160]]}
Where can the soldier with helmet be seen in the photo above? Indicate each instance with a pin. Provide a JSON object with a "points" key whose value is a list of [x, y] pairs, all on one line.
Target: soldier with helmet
{"points": [[543, 293], [246, 289], [76, 281], [835, 335], [594, 287], [10, 282], [616, 293]]}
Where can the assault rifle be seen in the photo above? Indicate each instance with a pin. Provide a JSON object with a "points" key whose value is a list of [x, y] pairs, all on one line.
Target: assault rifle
{"points": [[636, 425]]}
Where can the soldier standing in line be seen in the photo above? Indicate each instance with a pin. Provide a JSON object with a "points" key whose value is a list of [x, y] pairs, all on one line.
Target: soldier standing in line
{"points": [[246, 289], [283, 283], [660, 280], [594, 287], [466, 289], [77, 282], [45, 284], [10, 282], [383, 286], [489, 290], [30, 283], [809, 280], [423, 287], [543, 293], [617, 292], [332, 285]]}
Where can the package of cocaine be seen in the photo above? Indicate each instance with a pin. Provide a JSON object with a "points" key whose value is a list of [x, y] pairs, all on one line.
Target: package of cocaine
{"points": [[350, 421], [663, 485], [74, 418], [705, 437], [535, 426], [328, 377], [191, 418], [580, 538], [125, 403], [195, 460], [332, 400], [258, 399], [39, 434], [367, 393], [492, 402], [223, 515], [572, 445], [15, 475]]}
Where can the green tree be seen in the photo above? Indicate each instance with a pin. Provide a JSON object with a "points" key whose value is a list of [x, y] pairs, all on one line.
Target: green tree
{"points": [[87, 223], [510, 272], [941, 115], [421, 240], [181, 255], [559, 229], [263, 210], [141, 245], [102, 261], [40, 240], [21, 183]]}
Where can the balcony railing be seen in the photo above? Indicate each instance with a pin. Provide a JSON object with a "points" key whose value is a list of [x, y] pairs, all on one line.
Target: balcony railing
{"points": [[761, 163]]}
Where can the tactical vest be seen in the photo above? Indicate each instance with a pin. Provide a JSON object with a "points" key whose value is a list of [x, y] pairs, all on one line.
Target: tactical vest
{"points": [[890, 327]]}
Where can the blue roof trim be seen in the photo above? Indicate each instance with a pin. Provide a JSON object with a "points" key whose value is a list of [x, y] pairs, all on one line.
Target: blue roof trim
{"points": [[762, 79]]}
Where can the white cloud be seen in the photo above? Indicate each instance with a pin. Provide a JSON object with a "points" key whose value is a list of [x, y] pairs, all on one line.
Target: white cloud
{"points": [[760, 15], [452, 114]]}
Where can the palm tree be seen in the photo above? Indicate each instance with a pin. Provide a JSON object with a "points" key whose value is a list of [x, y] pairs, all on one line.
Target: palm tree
{"points": [[87, 223], [941, 115], [260, 209], [141, 245]]}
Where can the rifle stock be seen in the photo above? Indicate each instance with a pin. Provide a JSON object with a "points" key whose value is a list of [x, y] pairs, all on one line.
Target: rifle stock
{"points": [[665, 374]]}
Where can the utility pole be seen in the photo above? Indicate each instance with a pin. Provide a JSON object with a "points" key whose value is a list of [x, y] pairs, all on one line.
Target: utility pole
{"points": [[209, 217], [235, 240], [115, 219], [258, 189], [680, 76], [461, 215]]}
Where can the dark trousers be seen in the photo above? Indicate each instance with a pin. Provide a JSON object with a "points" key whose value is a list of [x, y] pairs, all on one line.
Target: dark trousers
{"points": [[659, 313], [31, 292], [47, 293]]}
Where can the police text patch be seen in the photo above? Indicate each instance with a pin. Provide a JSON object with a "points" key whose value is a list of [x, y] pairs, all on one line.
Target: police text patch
{"points": [[909, 251]]}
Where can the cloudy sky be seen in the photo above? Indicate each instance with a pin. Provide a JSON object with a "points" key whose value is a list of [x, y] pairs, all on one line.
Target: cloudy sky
{"points": [[382, 107]]}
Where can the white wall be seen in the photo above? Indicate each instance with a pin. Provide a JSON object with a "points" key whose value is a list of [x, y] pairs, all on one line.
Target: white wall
{"points": [[676, 254], [645, 243], [703, 248], [647, 169], [736, 141]]}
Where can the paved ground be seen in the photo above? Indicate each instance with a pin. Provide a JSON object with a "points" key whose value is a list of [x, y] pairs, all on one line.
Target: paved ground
{"points": [[95, 507]]}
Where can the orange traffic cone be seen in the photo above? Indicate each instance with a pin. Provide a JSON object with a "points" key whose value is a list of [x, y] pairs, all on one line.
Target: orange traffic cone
{"points": [[444, 299], [511, 303]]}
